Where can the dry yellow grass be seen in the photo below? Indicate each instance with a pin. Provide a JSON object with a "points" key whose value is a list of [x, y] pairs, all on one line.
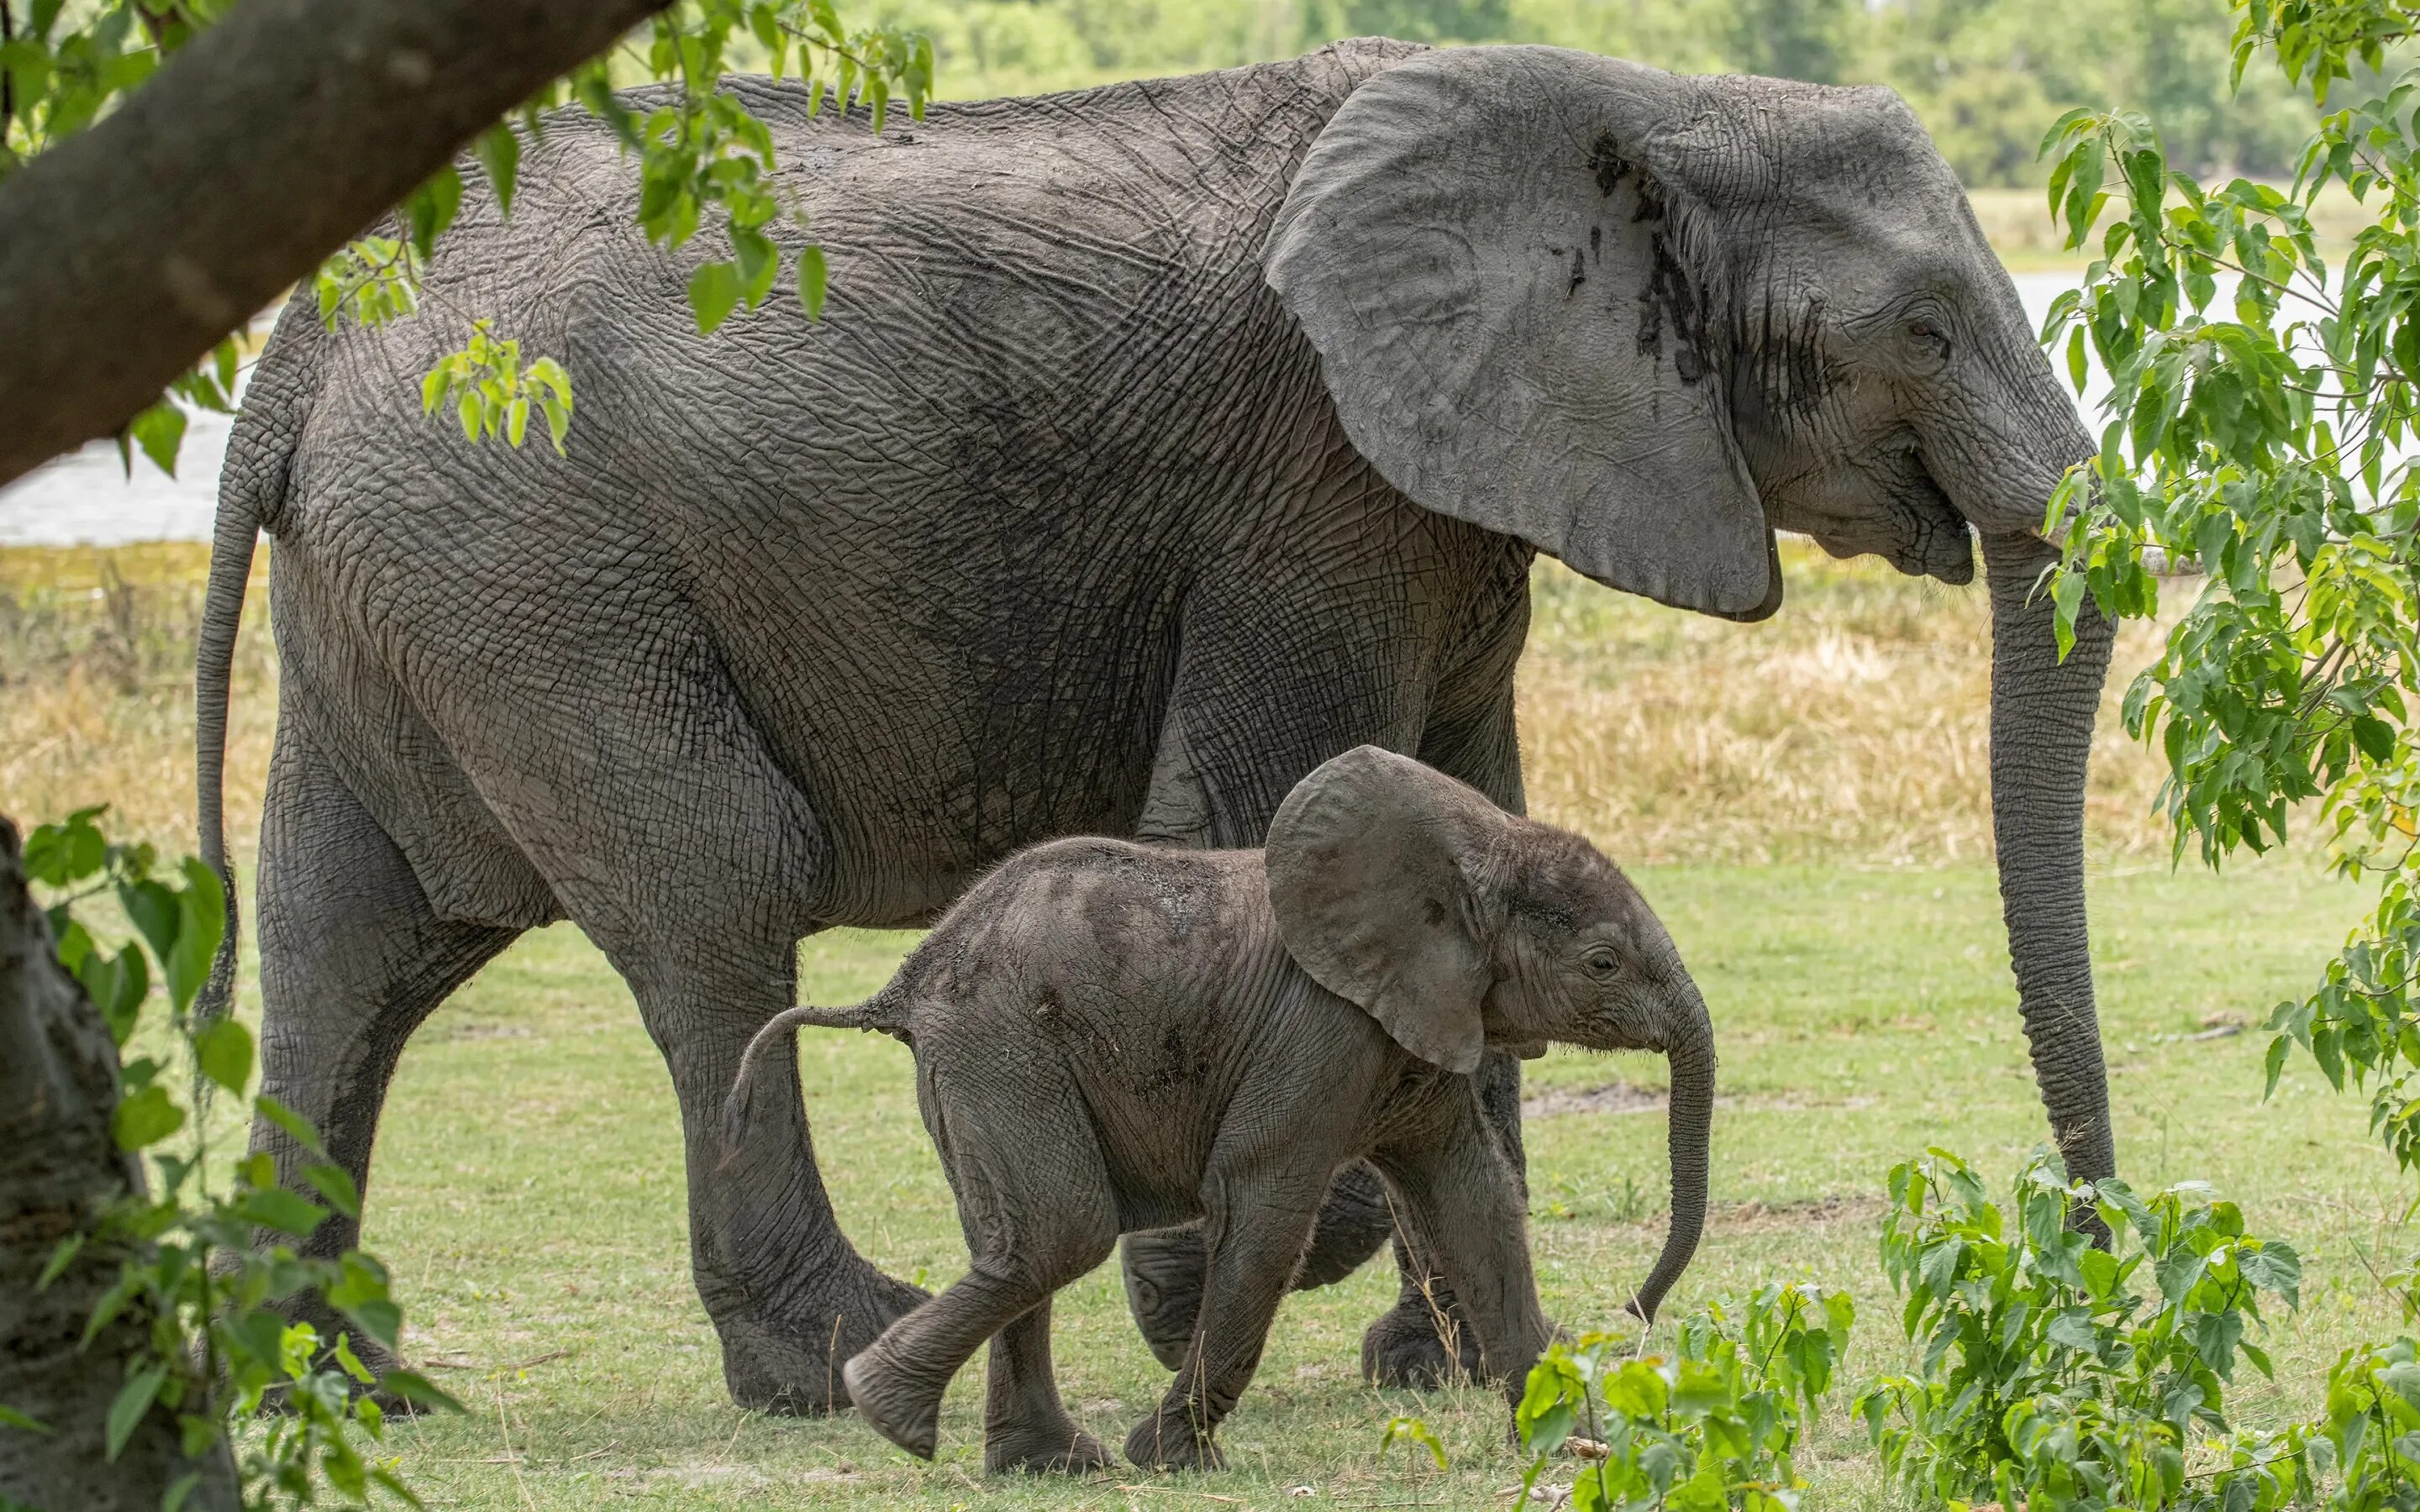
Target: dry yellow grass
{"points": [[1851, 727], [96, 690]]}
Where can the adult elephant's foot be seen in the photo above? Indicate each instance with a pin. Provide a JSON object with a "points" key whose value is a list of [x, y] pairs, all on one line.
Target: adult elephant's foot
{"points": [[1160, 1442], [1042, 1448], [1163, 1272], [1406, 1346], [792, 1365], [902, 1405]]}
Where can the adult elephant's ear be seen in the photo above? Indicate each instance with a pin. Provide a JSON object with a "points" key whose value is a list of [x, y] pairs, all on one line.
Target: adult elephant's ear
{"points": [[1371, 862], [1499, 253]]}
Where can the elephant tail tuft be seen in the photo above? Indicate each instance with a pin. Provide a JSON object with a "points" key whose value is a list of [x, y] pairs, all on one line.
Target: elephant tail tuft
{"points": [[759, 1070]]}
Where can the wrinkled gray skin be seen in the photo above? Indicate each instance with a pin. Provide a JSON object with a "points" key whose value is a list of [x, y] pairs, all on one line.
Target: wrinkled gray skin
{"points": [[1159, 442], [1113, 1037]]}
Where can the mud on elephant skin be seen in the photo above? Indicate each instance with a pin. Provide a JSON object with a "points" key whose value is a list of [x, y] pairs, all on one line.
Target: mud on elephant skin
{"points": [[1189, 433], [1110, 1038]]}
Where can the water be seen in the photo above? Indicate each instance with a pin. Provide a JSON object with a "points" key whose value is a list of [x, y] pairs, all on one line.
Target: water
{"points": [[88, 497]]}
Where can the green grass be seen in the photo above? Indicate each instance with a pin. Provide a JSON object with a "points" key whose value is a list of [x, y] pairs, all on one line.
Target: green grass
{"points": [[528, 1194]]}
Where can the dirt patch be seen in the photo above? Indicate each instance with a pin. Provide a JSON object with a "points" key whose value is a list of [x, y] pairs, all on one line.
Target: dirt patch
{"points": [[1614, 1097], [1798, 1213], [1626, 1097], [486, 1031]]}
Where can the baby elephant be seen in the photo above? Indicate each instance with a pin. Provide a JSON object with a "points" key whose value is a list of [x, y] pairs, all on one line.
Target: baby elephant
{"points": [[1110, 1038]]}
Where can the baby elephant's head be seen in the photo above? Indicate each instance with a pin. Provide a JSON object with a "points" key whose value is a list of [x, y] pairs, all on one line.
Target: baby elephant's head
{"points": [[1457, 925]]}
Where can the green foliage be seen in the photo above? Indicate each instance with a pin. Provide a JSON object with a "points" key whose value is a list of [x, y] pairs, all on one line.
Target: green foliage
{"points": [[190, 1263], [1712, 1426], [2372, 1429], [2065, 1376], [492, 390]]}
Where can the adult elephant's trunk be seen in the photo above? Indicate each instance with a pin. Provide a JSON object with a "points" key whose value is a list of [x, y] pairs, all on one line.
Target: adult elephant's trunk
{"points": [[2043, 711], [1692, 1054]]}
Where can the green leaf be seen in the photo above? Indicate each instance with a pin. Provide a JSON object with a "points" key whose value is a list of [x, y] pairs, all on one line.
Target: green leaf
{"points": [[160, 430], [144, 1117], [62, 1256], [498, 151], [10, 1417], [155, 914], [223, 1049], [2375, 737], [431, 208], [134, 1400], [280, 1210], [812, 276], [295, 1125], [335, 1184], [412, 1386], [713, 293]]}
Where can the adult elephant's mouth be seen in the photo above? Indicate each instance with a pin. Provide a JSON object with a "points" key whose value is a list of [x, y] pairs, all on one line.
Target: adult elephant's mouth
{"points": [[1889, 508]]}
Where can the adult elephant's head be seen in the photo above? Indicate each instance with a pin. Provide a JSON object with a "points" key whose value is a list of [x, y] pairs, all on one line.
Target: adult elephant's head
{"points": [[1641, 321]]}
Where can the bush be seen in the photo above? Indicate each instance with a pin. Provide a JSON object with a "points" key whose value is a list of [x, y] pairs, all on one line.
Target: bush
{"points": [[1713, 1425], [2048, 1375]]}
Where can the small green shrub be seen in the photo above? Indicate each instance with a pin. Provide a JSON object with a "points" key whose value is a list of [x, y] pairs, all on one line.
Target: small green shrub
{"points": [[2372, 1432], [2049, 1374], [1713, 1425]]}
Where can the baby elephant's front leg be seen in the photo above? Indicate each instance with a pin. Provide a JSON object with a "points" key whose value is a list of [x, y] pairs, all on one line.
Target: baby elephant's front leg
{"points": [[1252, 1253], [1464, 1216]]}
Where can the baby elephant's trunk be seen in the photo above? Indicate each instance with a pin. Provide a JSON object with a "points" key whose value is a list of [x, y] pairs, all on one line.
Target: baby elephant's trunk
{"points": [[760, 1070], [1692, 1054]]}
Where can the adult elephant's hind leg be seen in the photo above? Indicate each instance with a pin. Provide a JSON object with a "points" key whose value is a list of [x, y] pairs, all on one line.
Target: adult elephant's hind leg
{"points": [[681, 848], [790, 1297], [352, 960]]}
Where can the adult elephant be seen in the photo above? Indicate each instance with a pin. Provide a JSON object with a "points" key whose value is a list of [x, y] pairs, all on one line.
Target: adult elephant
{"points": [[1159, 442]]}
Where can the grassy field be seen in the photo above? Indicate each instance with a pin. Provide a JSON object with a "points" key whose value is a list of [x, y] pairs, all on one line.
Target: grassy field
{"points": [[1803, 801]]}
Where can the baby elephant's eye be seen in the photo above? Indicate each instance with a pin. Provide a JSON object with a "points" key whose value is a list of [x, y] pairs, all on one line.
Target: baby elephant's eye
{"points": [[1926, 332], [1601, 963]]}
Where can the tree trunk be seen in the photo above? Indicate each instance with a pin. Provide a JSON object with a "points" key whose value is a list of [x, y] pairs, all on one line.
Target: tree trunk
{"points": [[258, 150], [59, 1085]]}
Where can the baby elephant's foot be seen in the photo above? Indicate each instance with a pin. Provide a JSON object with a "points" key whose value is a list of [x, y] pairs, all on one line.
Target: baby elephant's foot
{"points": [[1059, 1449], [1162, 1442], [899, 1405]]}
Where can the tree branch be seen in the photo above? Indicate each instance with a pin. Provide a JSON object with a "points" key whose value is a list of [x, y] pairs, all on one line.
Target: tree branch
{"points": [[259, 149]]}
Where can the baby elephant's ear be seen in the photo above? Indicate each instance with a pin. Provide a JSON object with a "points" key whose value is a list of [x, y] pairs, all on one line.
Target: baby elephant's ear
{"points": [[1370, 860]]}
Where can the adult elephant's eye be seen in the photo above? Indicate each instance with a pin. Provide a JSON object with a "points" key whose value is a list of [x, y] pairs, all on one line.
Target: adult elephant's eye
{"points": [[1602, 963], [1925, 333]]}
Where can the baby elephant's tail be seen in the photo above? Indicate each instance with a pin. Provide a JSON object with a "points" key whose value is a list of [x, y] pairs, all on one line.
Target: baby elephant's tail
{"points": [[877, 1015]]}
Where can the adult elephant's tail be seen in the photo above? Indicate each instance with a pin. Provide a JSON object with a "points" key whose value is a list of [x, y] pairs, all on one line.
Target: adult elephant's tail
{"points": [[213, 671], [252, 496]]}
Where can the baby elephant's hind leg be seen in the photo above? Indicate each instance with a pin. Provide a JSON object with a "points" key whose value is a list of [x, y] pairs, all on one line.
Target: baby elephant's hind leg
{"points": [[1026, 1427], [1035, 1199]]}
